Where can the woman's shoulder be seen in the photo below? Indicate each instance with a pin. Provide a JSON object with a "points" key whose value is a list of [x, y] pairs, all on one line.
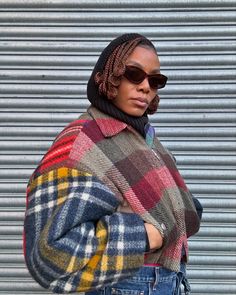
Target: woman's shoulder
{"points": [[74, 127], [59, 151]]}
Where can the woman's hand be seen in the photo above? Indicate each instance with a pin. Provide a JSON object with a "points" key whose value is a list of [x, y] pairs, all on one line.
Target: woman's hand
{"points": [[154, 236]]}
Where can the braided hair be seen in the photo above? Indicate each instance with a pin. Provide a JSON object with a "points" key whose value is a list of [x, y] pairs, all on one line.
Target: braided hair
{"points": [[109, 79]]}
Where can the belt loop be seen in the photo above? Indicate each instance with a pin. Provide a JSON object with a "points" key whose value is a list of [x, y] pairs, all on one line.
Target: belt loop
{"points": [[157, 269]]}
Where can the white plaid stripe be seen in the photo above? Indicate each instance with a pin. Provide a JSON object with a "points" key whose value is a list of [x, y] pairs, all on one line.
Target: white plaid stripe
{"points": [[39, 207], [51, 189], [68, 287]]}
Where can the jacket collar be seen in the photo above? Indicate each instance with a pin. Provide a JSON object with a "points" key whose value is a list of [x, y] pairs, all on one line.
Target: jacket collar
{"points": [[108, 125]]}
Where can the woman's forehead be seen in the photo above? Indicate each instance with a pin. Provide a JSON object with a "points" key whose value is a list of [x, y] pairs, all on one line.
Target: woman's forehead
{"points": [[144, 57]]}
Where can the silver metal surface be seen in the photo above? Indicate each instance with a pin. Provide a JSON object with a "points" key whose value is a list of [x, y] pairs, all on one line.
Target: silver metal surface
{"points": [[47, 52]]}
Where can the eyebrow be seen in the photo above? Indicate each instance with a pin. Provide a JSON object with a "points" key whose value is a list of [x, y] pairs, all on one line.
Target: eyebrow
{"points": [[137, 64]]}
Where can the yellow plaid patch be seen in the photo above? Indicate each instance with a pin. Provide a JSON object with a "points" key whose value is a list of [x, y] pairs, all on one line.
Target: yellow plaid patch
{"points": [[87, 276], [119, 262], [60, 174], [104, 263]]}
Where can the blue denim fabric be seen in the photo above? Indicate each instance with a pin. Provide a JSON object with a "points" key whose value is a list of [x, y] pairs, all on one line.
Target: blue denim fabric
{"points": [[150, 281]]}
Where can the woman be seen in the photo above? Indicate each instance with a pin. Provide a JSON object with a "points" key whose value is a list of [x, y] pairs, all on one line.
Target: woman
{"points": [[107, 210]]}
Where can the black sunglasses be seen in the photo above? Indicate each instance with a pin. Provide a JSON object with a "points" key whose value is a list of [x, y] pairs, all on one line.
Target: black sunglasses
{"points": [[136, 75]]}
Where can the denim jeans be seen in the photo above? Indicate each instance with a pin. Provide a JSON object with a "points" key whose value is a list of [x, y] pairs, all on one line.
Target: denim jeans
{"points": [[149, 281]]}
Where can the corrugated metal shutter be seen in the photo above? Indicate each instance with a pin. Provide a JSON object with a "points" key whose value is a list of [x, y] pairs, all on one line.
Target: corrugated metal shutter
{"points": [[47, 51]]}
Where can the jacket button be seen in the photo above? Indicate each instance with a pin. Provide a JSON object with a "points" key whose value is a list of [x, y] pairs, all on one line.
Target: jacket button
{"points": [[163, 226]]}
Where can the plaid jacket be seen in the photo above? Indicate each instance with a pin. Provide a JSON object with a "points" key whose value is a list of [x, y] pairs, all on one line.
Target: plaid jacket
{"points": [[74, 238]]}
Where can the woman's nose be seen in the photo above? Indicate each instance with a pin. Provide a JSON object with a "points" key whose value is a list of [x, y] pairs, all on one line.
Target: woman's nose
{"points": [[144, 85]]}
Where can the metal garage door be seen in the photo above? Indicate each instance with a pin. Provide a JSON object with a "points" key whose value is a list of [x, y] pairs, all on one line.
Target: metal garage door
{"points": [[47, 51]]}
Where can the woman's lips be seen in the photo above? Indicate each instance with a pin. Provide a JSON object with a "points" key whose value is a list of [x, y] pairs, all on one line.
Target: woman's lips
{"points": [[140, 102]]}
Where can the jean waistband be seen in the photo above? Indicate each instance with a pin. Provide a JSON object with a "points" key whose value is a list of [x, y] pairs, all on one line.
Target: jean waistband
{"points": [[149, 273]]}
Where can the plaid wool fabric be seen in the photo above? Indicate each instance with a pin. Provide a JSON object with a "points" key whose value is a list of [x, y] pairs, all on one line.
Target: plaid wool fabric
{"points": [[75, 240]]}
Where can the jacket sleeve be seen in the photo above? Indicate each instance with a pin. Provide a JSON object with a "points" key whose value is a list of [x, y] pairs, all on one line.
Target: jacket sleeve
{"points": [[198, 207], [75, 241]]}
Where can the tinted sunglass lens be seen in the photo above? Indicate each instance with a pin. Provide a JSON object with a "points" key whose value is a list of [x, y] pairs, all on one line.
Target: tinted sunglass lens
{"points": [[163, 81], [154, 82], [158, 82], [134, 75], [139, 75]]}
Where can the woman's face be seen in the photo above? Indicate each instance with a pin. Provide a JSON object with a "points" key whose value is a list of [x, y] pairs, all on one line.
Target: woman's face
{"points": [[134, 99]]}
